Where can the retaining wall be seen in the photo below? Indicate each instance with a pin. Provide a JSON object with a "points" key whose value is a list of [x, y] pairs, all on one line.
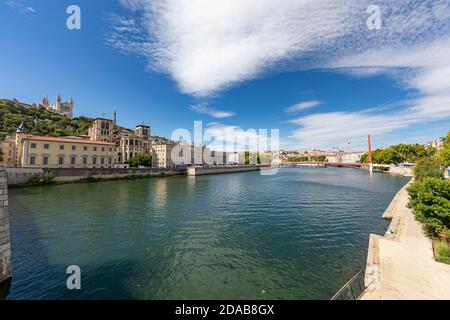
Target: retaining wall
{"points": [[18, 176], [5, 246], [199, 171]]}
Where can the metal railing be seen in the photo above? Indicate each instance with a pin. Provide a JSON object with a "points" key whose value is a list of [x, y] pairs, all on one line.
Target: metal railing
{"points": [[353, 289]]}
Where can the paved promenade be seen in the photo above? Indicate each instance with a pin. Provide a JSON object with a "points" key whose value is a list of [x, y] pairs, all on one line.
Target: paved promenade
{"points": [[400, 265]]}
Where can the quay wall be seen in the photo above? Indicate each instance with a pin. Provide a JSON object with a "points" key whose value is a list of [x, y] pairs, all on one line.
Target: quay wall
{"points": [[402, 171], [21, 176], [76, 174], [18, 176], [5, 246], [199, 171]]}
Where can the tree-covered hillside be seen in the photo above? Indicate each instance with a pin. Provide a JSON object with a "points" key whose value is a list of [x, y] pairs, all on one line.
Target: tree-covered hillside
{"points": [[39, 121]]}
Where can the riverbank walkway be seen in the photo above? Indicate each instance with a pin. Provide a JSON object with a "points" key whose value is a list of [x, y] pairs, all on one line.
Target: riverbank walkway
{"points": [[401, 264]]}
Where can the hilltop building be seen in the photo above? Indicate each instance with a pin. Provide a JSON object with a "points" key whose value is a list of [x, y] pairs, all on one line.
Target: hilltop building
{"points": [[64, 108]]}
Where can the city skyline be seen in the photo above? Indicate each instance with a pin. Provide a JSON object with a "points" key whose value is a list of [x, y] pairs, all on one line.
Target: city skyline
{"points": [[319, 93]]}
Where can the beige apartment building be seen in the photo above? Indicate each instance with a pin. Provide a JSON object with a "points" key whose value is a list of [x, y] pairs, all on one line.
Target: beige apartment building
{"points": [[8, 152], [162, 155], [51, 152]]}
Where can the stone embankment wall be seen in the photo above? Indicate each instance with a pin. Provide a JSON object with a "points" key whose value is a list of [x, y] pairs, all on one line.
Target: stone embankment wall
{"points": [[5, 246], [21, 176], [73, 175], [402, 171], [18, 176], [198, 171]]}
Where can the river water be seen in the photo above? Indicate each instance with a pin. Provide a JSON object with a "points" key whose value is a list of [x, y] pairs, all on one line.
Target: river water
{"points": [[300, 234]]}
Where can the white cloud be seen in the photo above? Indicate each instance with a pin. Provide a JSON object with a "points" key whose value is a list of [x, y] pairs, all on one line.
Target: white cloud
{"points": [[20, 5], [302, 106], [215, 113], [207, 46]]}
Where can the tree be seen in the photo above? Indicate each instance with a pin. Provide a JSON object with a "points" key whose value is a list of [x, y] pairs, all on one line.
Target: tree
{"points": [[443, 154], [400, 153], [308, 159], [427, 167], [430, 200], [140, 160]]}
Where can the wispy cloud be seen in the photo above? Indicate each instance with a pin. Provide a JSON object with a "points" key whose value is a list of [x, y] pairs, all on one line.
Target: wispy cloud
{"points": [[302, 106], [213, 112], [20, 5], [424, 68]]}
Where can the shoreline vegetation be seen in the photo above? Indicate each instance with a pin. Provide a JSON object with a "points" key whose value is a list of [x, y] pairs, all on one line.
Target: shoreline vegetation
{"points": [[430, 199]]}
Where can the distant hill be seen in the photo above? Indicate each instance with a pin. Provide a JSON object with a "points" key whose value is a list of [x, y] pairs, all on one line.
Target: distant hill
{"points": [[39, 121], [42, 122]]}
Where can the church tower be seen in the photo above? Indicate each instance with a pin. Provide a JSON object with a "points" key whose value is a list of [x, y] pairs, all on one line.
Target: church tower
{"points": [[45, 103], [101, 130], [21, 133]]}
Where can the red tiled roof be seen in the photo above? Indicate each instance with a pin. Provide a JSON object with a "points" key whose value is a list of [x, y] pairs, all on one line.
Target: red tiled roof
{"points": [[56, 139]]}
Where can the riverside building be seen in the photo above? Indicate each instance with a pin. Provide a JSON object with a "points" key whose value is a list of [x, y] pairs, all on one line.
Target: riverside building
{"points": [[54, 152], [103, 147]]}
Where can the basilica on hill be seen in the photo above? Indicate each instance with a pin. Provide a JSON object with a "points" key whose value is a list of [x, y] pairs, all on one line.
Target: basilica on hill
{"points": [[64, 108]]}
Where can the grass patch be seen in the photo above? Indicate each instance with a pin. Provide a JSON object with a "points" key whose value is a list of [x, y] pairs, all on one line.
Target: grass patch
{"points": [[442, 251]]}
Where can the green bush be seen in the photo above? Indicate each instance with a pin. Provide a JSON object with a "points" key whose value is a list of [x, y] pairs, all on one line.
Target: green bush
{"points": [[37, 180], [140, 160], [427, 167], [430, 200], [34, 180], [48, 178]]}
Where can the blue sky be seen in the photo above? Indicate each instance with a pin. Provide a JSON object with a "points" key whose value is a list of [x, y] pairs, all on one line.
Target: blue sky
{"points": [[314, 72]]}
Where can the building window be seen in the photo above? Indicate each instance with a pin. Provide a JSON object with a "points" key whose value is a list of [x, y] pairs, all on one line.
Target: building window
{"points": [[33, 146], [46, 146], [32, 160], [85, 148], [110, 160], [110, 149], [103, 149], [45, 160], [61, 147], [61, 160], [102, 160], [94, 160], [84, 160], [74, 148], [95, 148], [72, 160]]}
